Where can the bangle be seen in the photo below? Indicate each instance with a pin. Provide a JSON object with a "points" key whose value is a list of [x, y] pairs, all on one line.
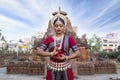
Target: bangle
{"points": [[51, 54], [66, 58]]}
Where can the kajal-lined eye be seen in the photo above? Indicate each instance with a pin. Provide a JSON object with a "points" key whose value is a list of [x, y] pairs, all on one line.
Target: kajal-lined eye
{"points": [[58, 25]]}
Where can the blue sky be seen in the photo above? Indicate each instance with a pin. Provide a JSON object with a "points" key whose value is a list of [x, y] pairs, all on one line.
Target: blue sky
{"points": [[23, 18]]}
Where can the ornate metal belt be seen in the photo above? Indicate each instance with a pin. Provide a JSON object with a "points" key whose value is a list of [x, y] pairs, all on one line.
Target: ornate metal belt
{"points": [[59, 66]]}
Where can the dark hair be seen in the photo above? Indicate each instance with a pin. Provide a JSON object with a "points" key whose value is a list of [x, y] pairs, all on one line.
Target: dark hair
{"points": [[59, 19]]}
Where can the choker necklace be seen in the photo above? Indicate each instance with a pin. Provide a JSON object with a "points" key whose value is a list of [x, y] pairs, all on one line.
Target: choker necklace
{"points": [[55, 41]]}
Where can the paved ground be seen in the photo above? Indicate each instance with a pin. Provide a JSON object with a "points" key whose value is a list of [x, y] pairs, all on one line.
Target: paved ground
{"points": [[4, 76]]}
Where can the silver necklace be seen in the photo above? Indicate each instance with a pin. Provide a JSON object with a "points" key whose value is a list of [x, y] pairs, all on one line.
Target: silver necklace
{"points": [[55, 41]]}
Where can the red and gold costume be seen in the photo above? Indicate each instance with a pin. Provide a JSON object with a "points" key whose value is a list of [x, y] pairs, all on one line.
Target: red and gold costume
{"points": [[56, 69]]}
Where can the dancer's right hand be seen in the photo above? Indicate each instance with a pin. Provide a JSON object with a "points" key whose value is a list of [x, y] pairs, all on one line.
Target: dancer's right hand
{"points": [[55, 51]]}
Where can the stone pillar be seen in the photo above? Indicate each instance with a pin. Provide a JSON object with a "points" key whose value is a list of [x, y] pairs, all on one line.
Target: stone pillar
{"points": [[88, 54]]}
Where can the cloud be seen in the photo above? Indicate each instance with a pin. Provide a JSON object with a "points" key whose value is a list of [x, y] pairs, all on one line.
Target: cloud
{"points": [[13, 29], [11, 24], [24, 18]]}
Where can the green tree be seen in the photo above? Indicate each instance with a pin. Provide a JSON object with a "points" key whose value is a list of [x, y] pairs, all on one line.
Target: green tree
{"points": [[3, 38], [0, 32], [4, 47], [94, 44], [119, 48]]}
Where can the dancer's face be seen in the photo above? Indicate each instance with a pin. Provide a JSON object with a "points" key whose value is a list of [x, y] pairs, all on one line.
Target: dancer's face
{"points": [[59, 27]]}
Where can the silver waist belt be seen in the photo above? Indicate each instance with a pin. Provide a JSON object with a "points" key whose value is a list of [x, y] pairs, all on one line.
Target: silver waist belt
{"points": [[59, 66]]}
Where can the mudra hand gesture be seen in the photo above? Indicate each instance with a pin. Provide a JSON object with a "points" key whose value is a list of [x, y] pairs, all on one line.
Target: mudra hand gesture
{"points": [[55, 51], [61, 57]]}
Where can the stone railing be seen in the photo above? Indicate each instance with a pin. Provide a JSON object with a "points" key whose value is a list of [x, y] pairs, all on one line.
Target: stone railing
{"points": [[84, 68], [96, 67], [20, 67]]}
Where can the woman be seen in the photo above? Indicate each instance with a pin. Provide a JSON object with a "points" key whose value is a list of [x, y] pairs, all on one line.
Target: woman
{"points": [[59, 67]]}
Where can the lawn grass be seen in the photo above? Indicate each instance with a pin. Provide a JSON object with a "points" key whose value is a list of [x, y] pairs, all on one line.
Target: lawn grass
{"points": [[118, 65]]}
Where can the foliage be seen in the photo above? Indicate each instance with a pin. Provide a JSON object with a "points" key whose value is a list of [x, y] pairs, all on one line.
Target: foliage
{"points": [[118, 65], [111, 55], [119, 48], [118, 58], [103, 54], [1, 51], [94, 44]]}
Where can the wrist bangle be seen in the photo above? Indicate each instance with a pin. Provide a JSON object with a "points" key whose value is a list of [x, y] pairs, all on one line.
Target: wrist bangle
{"points": [[51, 54]]}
